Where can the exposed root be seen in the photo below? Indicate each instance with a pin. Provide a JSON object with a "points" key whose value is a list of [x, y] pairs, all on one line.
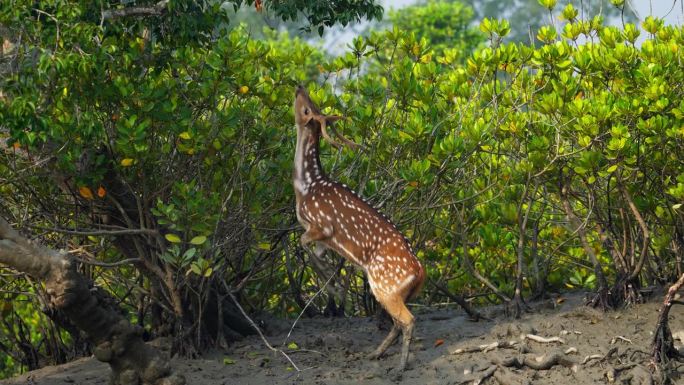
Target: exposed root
{"points": [[544, 362], [620, 338], [612, 372], [571, 350], [592, 357], [505, 376], [625, 293], [600, 299], [662, 347], [544, 340], [600, 357], [517, 306], [638, 376], [487, 347], [477, 378], [566, 332]]}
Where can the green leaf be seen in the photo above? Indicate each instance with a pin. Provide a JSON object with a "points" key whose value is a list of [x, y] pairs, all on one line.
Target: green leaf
{"points": [[292, 346], [228, 361], [612, 168], [198, 240], [195, 268], [189, 253], [173, 238]]}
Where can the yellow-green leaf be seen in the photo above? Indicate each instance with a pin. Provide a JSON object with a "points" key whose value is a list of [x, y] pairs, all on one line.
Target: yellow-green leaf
{"points": [[612, 168], [264, 246], [228, 361], [85, 192], [173, 238], [292, 346], [185, 135], [198, 240], [127, 162]]}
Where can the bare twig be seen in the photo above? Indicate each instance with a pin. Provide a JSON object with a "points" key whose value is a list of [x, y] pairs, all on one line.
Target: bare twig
{"points": [[156, 10], [474, 314], [111, 264], [258, 330], [98, 232], [307, 305]]}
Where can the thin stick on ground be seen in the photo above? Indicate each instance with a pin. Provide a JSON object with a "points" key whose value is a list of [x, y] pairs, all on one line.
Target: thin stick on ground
{"points": [[307, 305], [263, 338]]}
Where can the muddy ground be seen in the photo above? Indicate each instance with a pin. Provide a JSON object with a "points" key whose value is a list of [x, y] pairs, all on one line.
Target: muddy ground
{"points": [[332, 351]]}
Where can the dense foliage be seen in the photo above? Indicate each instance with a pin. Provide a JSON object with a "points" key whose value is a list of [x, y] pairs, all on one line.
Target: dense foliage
{"points": [[165, 166]]}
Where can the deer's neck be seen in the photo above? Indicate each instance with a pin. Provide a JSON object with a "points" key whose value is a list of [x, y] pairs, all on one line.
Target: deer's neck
{"points": [[307, 163]]}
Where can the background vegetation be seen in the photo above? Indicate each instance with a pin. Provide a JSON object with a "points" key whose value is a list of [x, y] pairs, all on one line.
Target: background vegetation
{"points": [[158, 151]]}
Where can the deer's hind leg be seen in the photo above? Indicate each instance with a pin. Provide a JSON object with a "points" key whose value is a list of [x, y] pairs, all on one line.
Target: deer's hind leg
{"points": [[387, 342], [403, 320]]}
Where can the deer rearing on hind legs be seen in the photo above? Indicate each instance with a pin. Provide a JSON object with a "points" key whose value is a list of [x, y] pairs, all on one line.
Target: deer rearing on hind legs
{"points": [[336, 218]]}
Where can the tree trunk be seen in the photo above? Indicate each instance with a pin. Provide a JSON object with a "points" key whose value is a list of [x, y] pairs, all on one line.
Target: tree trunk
{"points": [[117, 342], [602, 295]]}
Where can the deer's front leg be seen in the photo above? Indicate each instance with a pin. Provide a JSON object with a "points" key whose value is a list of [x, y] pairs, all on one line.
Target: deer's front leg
{"points": [[315, 233]]}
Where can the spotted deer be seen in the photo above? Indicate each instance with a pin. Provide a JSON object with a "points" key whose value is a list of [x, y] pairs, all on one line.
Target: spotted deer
{"points": [[336, 218]]}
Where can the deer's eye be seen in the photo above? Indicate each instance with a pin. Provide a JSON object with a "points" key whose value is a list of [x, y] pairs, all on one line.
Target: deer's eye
{"points": [[306, 111]]}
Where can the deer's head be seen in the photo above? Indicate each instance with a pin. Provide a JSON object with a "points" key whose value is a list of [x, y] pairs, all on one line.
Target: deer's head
{"points": [[309, 119]]}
